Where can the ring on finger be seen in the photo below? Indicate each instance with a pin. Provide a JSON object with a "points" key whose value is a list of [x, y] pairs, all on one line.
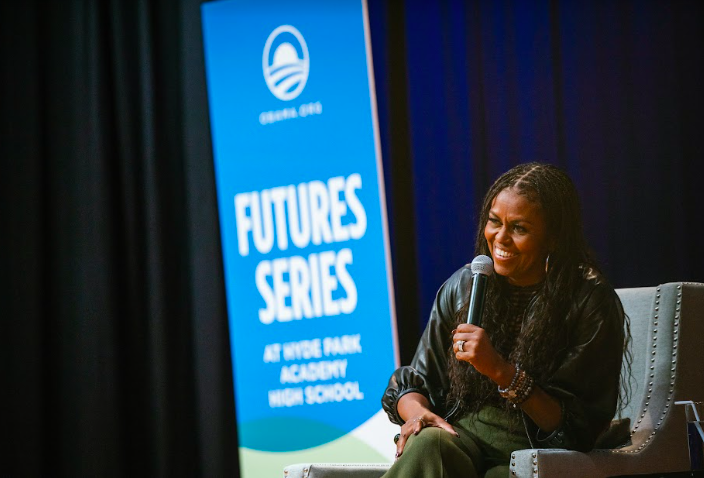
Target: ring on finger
{"points": [[460, 345], [419, 419]]}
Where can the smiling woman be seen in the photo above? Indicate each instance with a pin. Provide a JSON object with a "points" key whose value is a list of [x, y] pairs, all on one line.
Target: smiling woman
{"points": [[542, 371]]}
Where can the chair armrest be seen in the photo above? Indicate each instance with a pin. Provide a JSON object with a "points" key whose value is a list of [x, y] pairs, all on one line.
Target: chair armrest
{"points": [[552, 462], [336, 470], [598, 463]]}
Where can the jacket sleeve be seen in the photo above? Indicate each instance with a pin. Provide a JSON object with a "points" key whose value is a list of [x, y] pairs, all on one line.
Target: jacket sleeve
{"points": [[587, 381], [427, 373]]}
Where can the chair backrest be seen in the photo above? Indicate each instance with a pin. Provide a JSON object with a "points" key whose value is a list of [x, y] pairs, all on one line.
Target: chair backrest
{"points": [[667, 327], [638, 305]]}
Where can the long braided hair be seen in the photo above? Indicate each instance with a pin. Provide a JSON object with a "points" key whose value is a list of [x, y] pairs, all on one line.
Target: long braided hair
{"points": [[542, 340]]}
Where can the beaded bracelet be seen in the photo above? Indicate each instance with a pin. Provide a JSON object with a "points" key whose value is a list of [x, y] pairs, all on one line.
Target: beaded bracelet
{"points": [[504, 391], [520, 388], [523, 390]]}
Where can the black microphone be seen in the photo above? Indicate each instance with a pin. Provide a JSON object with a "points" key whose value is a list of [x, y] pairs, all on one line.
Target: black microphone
{"points": [[482, 267]]}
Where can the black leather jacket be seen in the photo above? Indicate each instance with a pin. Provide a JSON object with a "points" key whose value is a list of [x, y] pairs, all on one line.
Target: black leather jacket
{"points": [[586, 384]]}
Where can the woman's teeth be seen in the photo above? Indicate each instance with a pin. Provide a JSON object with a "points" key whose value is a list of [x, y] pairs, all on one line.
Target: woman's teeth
{"points": [[503, 254]]}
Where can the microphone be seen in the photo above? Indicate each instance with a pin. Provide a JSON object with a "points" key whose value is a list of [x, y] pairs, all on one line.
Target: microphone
{"points": [[482, 267]]}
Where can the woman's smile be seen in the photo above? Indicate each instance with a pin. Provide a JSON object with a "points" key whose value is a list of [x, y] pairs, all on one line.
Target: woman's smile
{"points": [[503, 254]]}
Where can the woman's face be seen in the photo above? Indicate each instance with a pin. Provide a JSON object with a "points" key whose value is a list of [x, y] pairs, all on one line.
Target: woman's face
{"points": [[516, 234]]}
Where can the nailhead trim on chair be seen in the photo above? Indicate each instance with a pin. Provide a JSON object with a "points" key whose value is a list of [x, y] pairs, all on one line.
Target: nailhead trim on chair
{"points": [[652, 371], [535, 463]]}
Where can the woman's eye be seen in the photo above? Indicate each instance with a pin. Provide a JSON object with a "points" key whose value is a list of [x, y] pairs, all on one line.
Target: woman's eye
{"points": [[519, 229], [493, 221]]}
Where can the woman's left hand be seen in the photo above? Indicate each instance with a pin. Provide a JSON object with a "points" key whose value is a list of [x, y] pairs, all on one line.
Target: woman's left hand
{"points": [[472, 344]]}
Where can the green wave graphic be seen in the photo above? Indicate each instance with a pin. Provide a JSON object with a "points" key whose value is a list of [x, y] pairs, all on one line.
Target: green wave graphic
{"points": [[347, 449]]}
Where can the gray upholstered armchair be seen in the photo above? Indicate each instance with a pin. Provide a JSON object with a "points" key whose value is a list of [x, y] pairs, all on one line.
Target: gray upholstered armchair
{"points": [[667, 325]]}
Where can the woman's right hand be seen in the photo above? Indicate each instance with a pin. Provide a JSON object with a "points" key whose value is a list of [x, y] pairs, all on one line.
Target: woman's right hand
{"points": [[415, 409]]}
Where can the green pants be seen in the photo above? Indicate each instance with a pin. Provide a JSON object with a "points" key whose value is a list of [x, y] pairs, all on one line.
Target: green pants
{"points": [[483, 449]]}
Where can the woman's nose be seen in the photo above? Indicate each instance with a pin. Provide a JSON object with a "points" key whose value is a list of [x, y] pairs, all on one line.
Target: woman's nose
{"points": [[502, 235]]}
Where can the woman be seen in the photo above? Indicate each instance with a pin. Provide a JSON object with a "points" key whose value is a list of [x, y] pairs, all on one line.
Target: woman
{"points": [[544, 368]]}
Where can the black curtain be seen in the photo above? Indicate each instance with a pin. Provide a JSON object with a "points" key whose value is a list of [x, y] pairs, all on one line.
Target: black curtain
{"points": [[114, 341]]}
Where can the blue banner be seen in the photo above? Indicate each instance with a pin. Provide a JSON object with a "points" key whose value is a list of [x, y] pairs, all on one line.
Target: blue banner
{"points": [[303, 226]]}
